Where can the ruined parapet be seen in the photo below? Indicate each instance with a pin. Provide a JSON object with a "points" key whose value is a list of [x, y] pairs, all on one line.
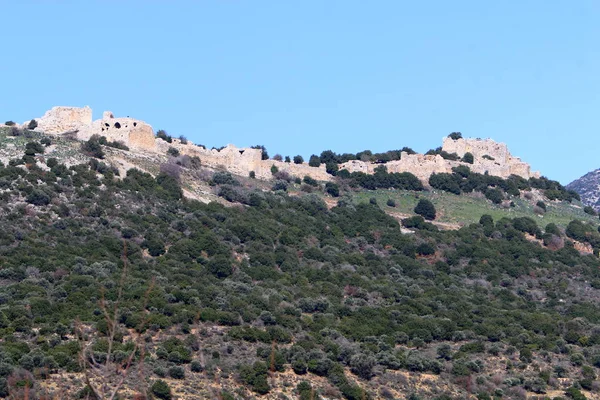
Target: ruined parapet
{"points": [[242, 161], [295, 170], [65, 119], [233, 159], [477, 147], [358, 166], [489, 157], [421, 165], [132, 132]]}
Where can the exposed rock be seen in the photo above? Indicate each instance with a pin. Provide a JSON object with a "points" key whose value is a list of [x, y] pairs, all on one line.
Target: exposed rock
{"points": [[588, 187]]}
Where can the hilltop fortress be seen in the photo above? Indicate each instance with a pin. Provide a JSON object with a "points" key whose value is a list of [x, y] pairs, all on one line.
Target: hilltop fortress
{"points": [[488, 156]]}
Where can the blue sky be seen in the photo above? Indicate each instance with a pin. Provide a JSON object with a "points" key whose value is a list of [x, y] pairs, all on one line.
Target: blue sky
{"points": [[305, 76]]}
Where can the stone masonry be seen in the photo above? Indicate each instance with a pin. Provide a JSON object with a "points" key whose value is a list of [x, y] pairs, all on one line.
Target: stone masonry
{"points": [[489, 157]]}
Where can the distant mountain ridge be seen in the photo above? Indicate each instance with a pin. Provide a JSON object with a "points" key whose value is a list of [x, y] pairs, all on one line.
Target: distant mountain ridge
{"points": [[588, 187]]}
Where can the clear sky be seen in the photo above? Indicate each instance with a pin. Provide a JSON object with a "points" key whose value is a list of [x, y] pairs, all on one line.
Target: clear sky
{"points": [[305, 76]]}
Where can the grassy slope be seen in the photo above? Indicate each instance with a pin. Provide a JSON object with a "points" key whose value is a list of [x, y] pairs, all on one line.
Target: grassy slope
{"points": [[468, 209]]}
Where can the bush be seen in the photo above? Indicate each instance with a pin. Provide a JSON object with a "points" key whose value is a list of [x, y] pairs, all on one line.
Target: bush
{"points": [[92, 147], [332, 189], [280, 185], [32, 124], [310, 181], [161, 390], [391, 203], [162, 134], [173, 152], [331, 168], [177, 372], [264, 155], [9, 123], [256, 377], [468, 158], [425, 249], [314, 161], [426, 209], [455, 135], [495, 195], [38, 198], [298, 159], [590, 210]]}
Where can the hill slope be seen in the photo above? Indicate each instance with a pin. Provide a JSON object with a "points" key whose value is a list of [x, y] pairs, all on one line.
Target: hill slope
{"points": [[588, 187], [114, 276]]}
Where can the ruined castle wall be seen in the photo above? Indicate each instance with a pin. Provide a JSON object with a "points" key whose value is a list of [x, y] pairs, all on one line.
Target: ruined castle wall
{"points": [[140, 136], [65, 119], [242, 161], [134, 133], [295, 170], [477, 147]]}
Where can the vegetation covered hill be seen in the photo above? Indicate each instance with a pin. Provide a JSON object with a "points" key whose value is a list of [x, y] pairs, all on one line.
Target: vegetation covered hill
{"points": [[114, 282]]}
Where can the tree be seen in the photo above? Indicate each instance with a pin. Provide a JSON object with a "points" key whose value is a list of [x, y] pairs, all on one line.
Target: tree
{"points": [[589, 210], [162, 134], [314, 161], [92, 147], [332, 168], [332, 189], [161, 390], [298, 159], [468, 158], [264, 155], [425, 209], [220, 266], [32, 124], [455, 135], [173, 152]]}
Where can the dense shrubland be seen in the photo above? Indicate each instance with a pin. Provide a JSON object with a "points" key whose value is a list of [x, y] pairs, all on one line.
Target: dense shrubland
{"points": [[284, 283]]}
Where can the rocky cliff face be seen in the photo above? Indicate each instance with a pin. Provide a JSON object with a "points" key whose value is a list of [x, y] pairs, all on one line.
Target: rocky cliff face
{"points": [[588, 187]]}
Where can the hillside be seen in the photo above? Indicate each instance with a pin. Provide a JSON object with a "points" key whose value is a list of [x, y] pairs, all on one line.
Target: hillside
{"points": [[588, 187], [152, 274]]}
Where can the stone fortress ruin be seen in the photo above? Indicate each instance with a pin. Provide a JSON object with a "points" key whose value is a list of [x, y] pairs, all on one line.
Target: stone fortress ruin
{"points": [[489, 156]]}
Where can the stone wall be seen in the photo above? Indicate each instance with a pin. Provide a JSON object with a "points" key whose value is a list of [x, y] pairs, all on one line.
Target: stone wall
{"points": [[65, 119], [134, 133], [489, 157], [241, 161], [499, 161]]}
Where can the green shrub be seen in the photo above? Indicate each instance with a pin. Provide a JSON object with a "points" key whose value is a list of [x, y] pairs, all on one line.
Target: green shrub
{"points": [[425, 209], [161, 390], [32, 124]]}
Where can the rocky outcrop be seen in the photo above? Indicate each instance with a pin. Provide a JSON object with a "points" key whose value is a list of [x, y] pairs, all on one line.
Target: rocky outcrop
{"points": [[588, 187]]}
